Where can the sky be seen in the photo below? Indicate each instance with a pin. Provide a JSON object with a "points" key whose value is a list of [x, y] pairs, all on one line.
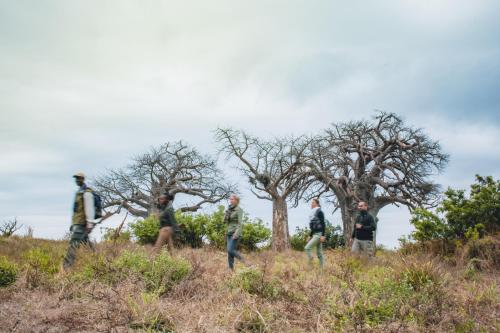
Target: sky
{"points": [[86, 85]]}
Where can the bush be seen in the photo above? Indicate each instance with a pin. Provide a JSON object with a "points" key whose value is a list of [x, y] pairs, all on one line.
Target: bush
{"points": [[196, 229], [166, 271], [333, 234], [192, 229], [146, 230], [253, 281], [110, 235], [253, 234], [158, 275], [8, 272], [40, 266], [460, 216], [483, 253]]}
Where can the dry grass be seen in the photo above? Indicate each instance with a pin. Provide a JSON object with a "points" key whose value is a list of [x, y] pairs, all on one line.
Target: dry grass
{"points": [[392, 293]]}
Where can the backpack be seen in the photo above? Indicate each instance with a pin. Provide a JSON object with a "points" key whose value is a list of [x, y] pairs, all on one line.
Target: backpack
{"points": [[97, 205]]}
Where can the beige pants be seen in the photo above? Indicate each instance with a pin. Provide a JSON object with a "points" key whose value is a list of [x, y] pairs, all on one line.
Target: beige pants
{"points": [[363, 247], [166, 235]]}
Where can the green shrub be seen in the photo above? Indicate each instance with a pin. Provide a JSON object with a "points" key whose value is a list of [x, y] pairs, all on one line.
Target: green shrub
{"points": [[146, 230], [192, 229], [158, 274], [418, 276], [333, 234], [216, 229], [196, 229], [460, 216], [40, 266], [253, 281], [8, 272], [299, 239], [166, 271], [253, 234], [110, 235]]}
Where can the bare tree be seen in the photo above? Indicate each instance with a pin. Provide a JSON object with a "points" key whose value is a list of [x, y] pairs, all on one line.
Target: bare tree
{"points": [[381, 162], [8, 228], [172, 167], [273, 169]]}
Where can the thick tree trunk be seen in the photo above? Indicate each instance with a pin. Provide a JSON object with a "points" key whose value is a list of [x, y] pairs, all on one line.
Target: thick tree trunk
{"points": [[281, 236], [348, 214]]}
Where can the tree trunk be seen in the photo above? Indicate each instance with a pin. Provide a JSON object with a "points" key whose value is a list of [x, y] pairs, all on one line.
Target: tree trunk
{"points": [[348, 214], [281, 236]]}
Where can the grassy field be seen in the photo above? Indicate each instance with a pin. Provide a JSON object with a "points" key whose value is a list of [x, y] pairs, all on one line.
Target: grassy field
{"points": [[123, 288]]}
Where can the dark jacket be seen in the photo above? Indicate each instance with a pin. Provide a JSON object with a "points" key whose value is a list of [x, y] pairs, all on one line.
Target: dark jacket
{"points": [[317, 222], [369, 226], [167, 216]]}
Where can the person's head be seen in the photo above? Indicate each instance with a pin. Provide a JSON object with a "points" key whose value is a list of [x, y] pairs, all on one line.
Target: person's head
{"points": [[79, 178], [234, 200], [315, 203], [362, 206]]}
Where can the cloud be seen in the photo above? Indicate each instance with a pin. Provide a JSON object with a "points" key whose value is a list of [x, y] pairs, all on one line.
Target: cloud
{"points": [[87, 85]]}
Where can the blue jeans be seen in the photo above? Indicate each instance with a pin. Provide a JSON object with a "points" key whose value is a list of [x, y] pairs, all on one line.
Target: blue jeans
{"points": [[232, 253]]}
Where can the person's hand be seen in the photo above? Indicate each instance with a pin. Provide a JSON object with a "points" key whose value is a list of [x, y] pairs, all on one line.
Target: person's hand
{"points": [[322, 239], [359, 226], [350, 242], [235, 237], [89, 226]]}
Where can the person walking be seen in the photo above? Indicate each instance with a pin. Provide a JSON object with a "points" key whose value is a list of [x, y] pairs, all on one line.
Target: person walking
{"points": [[317, 235], [362, 234], [168, 223], [233, 217], [83, 219]]}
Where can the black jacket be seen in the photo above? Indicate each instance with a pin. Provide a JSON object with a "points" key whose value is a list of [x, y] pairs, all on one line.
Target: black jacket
{"points": [[317, 223], [369, 227], [167, 216]]}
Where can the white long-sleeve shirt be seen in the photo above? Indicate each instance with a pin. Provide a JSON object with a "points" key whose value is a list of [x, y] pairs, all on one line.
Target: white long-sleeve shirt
{"points": [[88, 206]]}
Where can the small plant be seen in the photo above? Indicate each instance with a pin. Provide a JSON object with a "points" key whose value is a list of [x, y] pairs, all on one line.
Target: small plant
{"points": [[111, 234], [251, 321], [254, 281], [40, 265], [146, 314], [166, 271], [418, 276], [8, 272]]}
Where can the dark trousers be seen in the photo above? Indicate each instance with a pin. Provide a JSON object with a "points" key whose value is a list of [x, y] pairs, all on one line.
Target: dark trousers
{"points": [[232, 253], [79, 236]]}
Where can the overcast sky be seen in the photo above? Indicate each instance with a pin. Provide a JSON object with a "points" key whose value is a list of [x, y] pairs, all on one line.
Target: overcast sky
{"points": [[85, 85]]}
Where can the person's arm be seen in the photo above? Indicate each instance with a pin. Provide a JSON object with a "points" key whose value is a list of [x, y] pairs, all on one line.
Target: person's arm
{"points": [[321, 217], [88, 207], [372, 226], [237, 232]]}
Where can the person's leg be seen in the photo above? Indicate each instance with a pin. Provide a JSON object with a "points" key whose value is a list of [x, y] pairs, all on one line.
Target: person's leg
{"points": [[77, 237], [170, 239], [369, 248], [319, 252], [312, 242], [356, 246], [161, 240], [230, 251]]}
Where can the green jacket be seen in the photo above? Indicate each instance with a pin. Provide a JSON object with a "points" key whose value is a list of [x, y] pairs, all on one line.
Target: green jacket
{"points": [[234, 219]]}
